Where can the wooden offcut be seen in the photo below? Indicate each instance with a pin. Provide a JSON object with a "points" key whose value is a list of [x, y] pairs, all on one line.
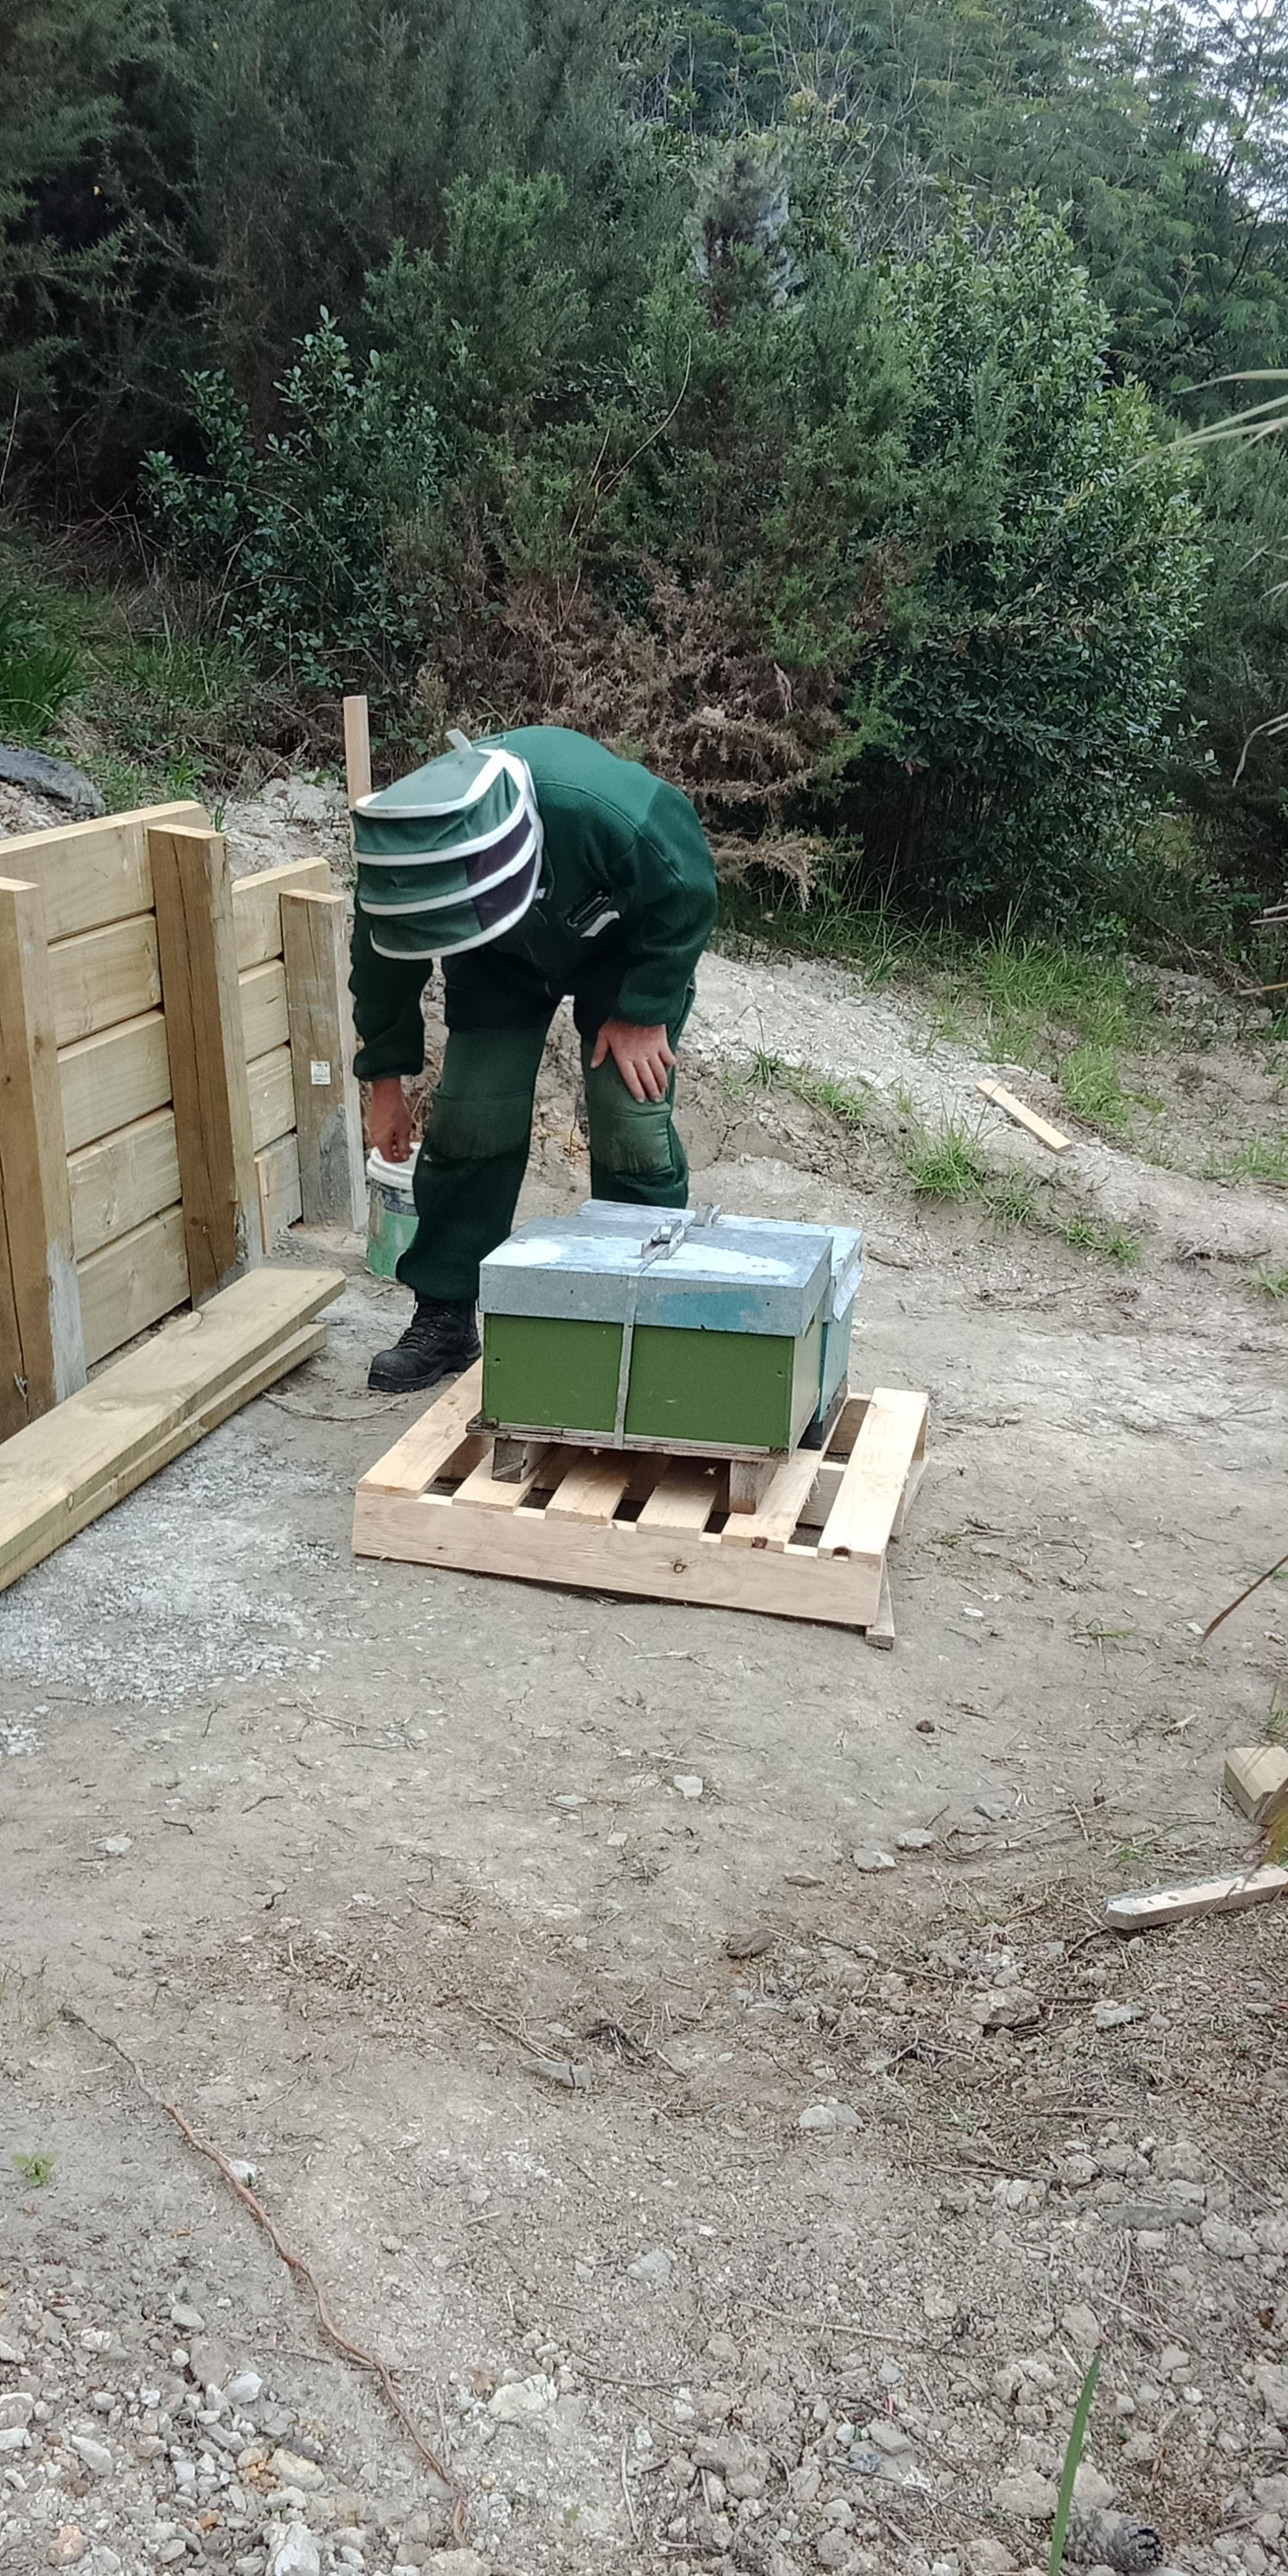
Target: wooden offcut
{"points": [[650, 1525], [328, 1115], [202, 1001], [1253, 1775], [1053, 1138], [62, 1472], [42, 1354], [357, 749], [1229, 1894]]}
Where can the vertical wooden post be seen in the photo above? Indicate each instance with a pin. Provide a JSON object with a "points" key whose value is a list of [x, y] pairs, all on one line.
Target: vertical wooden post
{"points": [[328, 1118], [357, 749], [42, 1351], [197, 940]]}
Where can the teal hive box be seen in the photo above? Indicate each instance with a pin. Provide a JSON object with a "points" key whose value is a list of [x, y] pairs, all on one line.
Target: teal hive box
{"points": [[631, 1326]]}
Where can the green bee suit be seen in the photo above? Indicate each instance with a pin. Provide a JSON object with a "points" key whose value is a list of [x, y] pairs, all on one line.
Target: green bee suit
{"points": [[624, 909]]}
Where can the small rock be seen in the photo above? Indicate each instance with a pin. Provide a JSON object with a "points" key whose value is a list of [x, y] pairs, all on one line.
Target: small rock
{"points": [[294, 2470], [1004, 2008], [516, 2401], [803, 1878], [1152, 2214], [1270, 2380], [243, 2172], [653, 2267], [1221, 2237], [188, 2320], [68, 2545], [14, 2437], [95, 2456], [115, 1846], [871, 1858], [1082, 2326], [1110, 2016], [57, 779], [16, 2410], [828, 2118], [457, 2562], [994, 1808], [751, 1944], [689, 1783], [13, 2355], [295, 2552], [1025, 2493], [244, 2389], [916, 1838]]}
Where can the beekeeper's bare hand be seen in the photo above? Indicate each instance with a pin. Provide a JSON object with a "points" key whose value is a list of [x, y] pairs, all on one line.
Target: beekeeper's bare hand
{"points": [[643, 1057], [389, 1119]]}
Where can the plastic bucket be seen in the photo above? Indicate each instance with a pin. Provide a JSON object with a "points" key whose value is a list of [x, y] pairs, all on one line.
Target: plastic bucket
{"points": [[391, 1213]]}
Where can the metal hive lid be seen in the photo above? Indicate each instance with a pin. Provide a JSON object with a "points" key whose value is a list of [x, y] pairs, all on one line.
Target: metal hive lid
{"points": [[705, 1279]]}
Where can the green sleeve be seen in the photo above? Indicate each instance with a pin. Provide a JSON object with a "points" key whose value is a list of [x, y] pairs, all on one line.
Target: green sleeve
{"points": [[672, 916], [386, 1007]]}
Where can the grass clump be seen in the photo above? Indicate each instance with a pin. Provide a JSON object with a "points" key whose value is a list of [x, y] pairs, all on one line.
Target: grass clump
{"points": [[1263, 1158], [945, 1164], [1114, 1242], [1092, 1085], [1272, 1283]]}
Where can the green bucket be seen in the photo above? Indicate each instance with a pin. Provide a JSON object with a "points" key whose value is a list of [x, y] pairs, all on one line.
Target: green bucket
{"points": [[391, 1213]]}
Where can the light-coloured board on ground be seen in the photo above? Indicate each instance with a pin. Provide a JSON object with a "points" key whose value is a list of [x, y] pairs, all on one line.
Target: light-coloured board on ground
{"points": [[1053, 1138], [1154, 1908]]}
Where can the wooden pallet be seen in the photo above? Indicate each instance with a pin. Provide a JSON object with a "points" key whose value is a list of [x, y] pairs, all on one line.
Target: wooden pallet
{"points": [[606, 1520]]}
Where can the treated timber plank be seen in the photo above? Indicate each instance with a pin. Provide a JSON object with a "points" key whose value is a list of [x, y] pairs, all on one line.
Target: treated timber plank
{"points": [[1230, 1894], [104, 976], [1053, 1138], [193, 895], [650, 1564], [264, 1023], [781, 1505], [49, 1468], [125, 1177], [92, 873], [591, 1490], [133, 1282], [328, 1115], [257, 906], [683, 1498], [285, 1354], [272, 1097], [422, 1452], [357, 749], [109, 1080], [277, 1171], [891, 1435], [41, 1335]]}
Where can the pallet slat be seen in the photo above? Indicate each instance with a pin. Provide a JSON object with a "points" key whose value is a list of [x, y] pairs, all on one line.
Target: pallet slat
{"points": [[416, 1459], [591, 1490], [891, 1435], [489, 1493], [104, 976], [781, 1505], [683, 1498]]}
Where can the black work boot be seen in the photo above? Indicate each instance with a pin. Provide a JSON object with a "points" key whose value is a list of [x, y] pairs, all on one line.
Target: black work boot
{"points": [[439, 1341]]}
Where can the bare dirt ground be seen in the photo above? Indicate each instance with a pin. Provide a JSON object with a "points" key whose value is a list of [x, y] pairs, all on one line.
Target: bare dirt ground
{"points": [[863, 2161]]}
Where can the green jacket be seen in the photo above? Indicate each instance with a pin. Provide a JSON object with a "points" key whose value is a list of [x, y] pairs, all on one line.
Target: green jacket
{"points": [[628, 891]]}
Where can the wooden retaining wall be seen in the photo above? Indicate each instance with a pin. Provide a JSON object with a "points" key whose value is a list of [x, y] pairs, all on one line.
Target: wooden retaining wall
{"points": [[175, 1082]]}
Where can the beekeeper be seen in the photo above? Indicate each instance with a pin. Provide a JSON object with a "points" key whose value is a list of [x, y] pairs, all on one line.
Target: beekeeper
{"points": [[533, 865]]}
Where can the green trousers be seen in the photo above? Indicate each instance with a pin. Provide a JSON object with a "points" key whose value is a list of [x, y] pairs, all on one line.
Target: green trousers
{"points": [[471, 1164]]}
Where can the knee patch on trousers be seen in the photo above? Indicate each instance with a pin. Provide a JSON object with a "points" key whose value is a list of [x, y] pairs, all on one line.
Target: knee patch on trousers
{"points": [[633, 1136], [465, 1128]]}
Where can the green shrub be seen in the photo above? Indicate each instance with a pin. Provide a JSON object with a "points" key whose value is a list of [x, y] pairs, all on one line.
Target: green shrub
{"points": [[37, 677]]}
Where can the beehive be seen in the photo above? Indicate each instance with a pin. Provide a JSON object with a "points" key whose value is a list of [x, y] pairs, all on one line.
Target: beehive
{"points": [[634, 1326]]}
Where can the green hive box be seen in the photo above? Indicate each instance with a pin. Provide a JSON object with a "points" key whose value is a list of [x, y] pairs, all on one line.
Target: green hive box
{"points": [[628, 1325]]}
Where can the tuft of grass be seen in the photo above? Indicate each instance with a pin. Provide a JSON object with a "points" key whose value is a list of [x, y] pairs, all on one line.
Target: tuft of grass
{"points": [[1092, 1085], [1114, 1243], [36, 2169], [1069, 2472], [1272, 1283], [821, 1092], [38, 675], [1013, 1200], [944, 1164], [1263, 1158]]}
